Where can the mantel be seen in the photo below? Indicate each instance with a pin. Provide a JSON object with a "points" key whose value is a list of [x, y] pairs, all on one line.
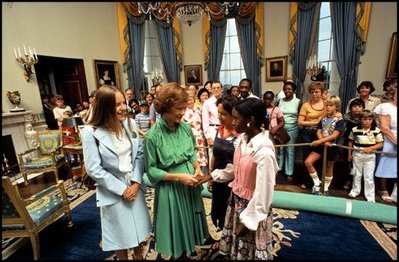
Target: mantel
{"points": [[16, 118], [14, 124]]}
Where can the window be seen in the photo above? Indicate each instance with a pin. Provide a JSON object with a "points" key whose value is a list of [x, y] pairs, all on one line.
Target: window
{"points": [[325, 54], [152, 57], [232, 69]]}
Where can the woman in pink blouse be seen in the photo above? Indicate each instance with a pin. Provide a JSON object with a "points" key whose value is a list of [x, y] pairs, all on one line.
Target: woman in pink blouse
{"points": [[247, 232]]}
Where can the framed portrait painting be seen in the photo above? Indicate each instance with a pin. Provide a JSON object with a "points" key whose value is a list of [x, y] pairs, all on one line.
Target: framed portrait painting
{"points": [[392, 67], [107, 72], [276, 68], [193, 74]]}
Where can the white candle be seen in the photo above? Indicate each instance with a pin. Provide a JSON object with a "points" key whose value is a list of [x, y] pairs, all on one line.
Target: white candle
{"points": [[34, 52], [19, 52], [25, 49], [15, 53]]}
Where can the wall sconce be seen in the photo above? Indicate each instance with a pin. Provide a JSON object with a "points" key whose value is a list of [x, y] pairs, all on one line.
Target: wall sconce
{"points": [[27, 61]]}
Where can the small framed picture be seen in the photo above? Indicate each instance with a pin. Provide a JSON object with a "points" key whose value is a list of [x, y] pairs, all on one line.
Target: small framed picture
{"points": [[276, 68], [193, 74], [392, 67], [107, 72]]}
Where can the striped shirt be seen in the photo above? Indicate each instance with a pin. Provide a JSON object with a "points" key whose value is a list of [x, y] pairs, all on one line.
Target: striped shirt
{"points": [[365, 138]]}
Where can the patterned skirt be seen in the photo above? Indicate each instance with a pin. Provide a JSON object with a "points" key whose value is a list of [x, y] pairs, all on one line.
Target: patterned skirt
{"points": [[247, 245]]}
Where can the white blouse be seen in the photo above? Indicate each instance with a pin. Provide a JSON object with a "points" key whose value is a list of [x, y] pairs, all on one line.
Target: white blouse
{"points": [[124, 150]]}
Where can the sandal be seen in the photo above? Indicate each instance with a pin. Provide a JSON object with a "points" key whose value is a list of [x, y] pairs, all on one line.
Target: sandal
{"points": [[387, 199], [385, 196]]}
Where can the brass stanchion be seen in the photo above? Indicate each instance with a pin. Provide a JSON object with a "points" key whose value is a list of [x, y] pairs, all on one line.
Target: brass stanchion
{"points": [[323, 172]]}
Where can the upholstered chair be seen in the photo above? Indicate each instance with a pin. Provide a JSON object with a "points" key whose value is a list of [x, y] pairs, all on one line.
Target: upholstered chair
{"points": [[48, 156], [26, 216]]}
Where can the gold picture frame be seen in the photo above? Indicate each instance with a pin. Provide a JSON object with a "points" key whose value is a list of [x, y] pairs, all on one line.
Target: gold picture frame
{"points": [[101, 66], [193, 74], [276, 68], [392, 66]]}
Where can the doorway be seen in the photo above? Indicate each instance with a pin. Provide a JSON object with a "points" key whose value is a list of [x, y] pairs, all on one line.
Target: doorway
{"points": [[62, 76]]}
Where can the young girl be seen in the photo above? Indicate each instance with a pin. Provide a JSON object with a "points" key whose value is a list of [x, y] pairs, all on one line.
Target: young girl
{"points": [[329, 129], [247, 232]]}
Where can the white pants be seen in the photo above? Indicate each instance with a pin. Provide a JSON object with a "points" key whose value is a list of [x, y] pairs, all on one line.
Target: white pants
{"points": [[364, 165]]}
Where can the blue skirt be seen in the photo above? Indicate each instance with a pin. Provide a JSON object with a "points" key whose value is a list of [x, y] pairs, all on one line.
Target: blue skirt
{"points": [[387, 166], [125, 224]]}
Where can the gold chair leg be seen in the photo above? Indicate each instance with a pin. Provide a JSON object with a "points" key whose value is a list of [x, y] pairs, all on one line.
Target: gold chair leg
{"points": [[68, 215], [34, 239]]}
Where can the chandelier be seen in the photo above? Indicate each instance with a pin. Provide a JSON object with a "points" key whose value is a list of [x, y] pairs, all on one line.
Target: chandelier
{"points": [[187, 12]]}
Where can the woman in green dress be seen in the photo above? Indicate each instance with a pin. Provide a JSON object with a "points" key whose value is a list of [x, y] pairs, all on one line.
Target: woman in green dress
{"points": [[172, 167]]}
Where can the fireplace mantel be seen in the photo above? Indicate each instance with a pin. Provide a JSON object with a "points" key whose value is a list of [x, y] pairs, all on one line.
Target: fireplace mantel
{"points": [[14, 124]]}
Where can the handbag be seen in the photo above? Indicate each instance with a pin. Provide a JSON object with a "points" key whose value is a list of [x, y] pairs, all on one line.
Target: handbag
{"points": [[281, 136]]}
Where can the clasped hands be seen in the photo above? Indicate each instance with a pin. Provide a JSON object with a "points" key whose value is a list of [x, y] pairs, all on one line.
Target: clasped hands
{"points": [[198, 178], [131, 192]]}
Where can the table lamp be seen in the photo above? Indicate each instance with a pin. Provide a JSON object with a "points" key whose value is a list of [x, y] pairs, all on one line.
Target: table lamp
{"points": [[72, 122]]}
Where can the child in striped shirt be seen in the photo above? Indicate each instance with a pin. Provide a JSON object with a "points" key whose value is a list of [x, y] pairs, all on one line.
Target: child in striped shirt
{"points": [[365, 138]]}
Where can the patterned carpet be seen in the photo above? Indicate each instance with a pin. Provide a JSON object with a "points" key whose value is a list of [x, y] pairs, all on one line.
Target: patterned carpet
{"points": [[378, 243], [295, 234]]}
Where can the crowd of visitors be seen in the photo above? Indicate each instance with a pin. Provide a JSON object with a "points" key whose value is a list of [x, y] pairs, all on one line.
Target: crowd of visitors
{"points": [[187, 138]]}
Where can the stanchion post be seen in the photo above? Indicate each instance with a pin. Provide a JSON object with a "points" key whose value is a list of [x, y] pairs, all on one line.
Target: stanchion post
{"points": [[323, 172]]}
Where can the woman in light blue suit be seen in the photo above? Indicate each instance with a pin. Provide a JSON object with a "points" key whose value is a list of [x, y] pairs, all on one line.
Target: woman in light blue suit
{"points": [[114, 158]]}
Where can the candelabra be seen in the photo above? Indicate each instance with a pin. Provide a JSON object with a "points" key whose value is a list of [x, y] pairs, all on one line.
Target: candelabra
{"points": [[27, 60], [313, 68], [156, 78]]}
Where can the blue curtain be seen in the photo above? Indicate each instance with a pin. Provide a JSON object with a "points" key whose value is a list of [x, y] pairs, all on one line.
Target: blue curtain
{"points": [[168, 50], [216, 47], [305, 16], [247, 39], [135, 65], [346, 48]]}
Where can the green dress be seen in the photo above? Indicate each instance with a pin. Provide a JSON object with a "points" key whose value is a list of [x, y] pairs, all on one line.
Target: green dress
{"points": [[179, 214]]}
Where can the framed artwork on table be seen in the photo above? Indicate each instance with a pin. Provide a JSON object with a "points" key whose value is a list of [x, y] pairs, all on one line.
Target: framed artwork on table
{"points": [[107, 72], [392, 67], [276, 68], [193, 74]]}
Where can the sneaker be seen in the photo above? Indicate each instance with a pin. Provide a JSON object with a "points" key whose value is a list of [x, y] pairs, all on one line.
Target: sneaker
{"points": [[316, 190], [351, 195], [327, 192], [371, 201]]}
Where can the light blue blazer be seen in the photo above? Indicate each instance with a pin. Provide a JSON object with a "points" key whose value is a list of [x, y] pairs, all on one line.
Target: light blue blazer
{"points": [[102, 162]]}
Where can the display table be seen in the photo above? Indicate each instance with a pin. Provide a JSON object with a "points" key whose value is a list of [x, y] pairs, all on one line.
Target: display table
{"points": [[78, 170]]}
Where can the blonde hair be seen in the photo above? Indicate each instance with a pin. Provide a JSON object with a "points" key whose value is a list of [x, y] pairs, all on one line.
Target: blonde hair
{"points": [[335, 100]]}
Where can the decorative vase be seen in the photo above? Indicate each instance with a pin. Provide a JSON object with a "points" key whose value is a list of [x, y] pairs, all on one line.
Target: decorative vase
{"points": [[15, 99]]}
